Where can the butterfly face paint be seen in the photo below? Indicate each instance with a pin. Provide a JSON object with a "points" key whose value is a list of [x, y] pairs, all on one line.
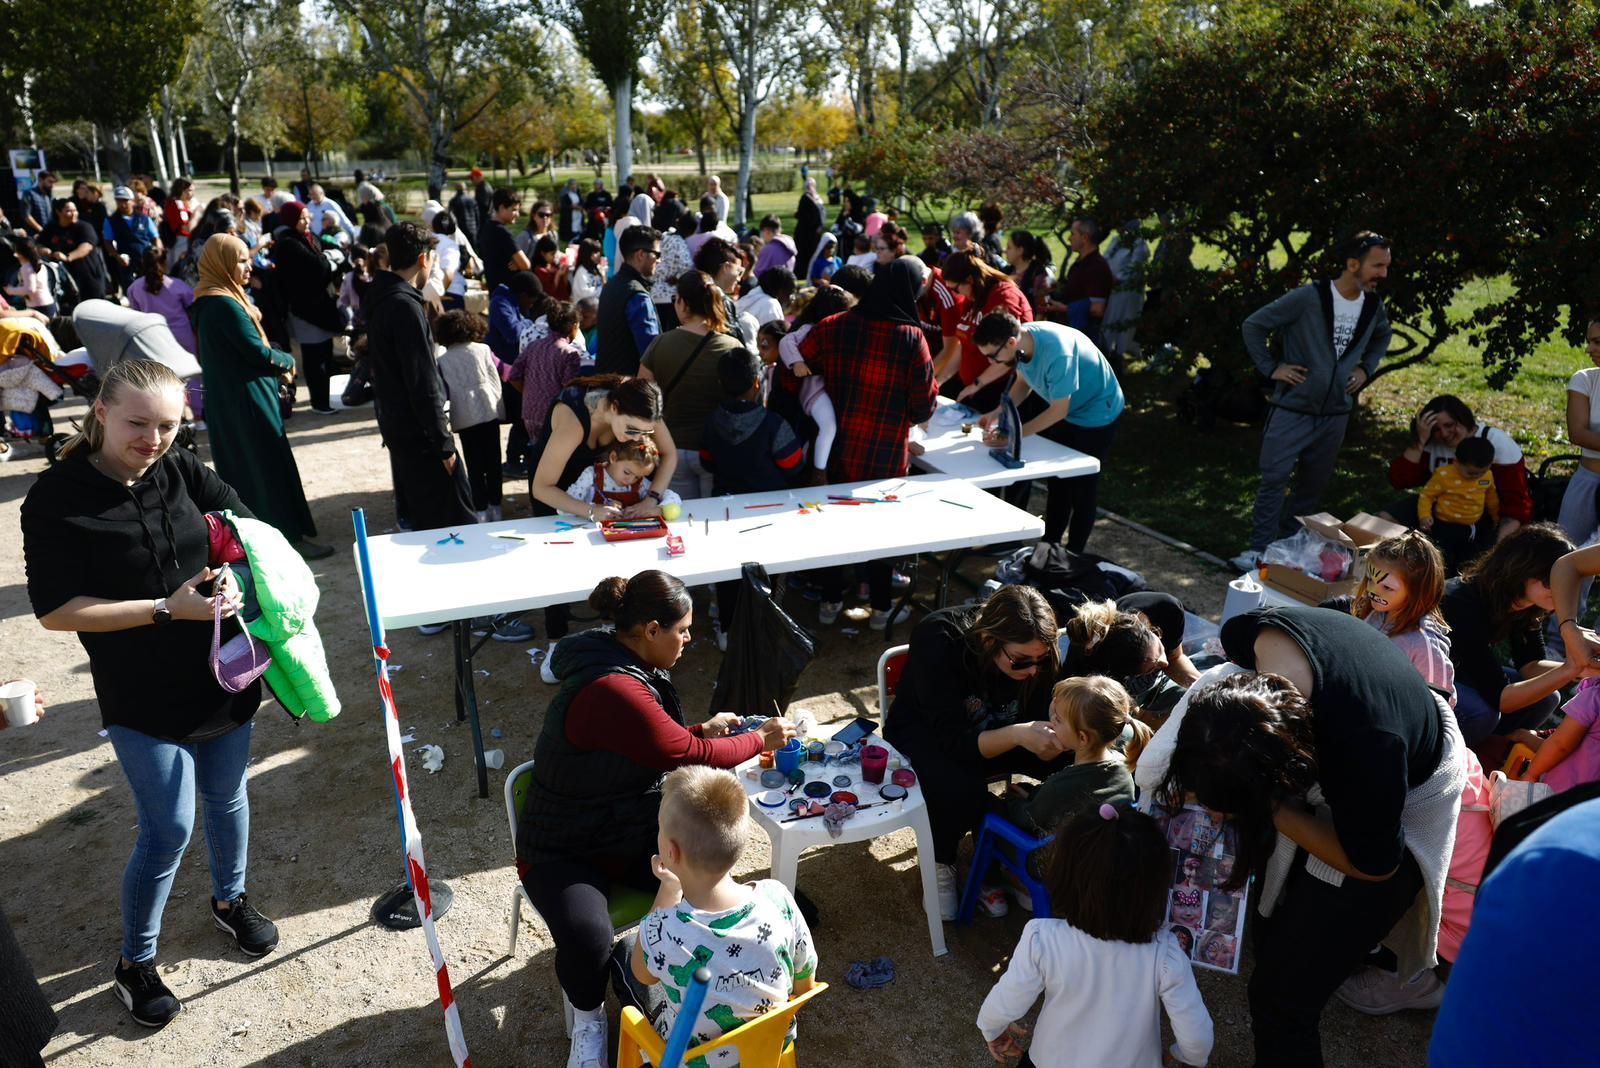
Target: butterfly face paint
{"points": [[1386, 589]]}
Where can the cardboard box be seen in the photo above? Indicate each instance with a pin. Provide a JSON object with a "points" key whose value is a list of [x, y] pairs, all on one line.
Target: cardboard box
{"points": [[1356, 534], [1304, 588]]}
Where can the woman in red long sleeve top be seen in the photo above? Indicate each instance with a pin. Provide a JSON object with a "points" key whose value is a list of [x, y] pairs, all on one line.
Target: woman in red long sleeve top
{"points": [[612, 731], [1440, 426]]}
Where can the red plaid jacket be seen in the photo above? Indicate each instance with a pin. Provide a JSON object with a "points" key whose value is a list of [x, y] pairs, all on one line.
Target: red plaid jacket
{"points": [[880, 378]]}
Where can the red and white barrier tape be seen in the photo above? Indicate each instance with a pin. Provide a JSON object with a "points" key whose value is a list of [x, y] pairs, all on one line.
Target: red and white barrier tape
{"points": [[415, 865]]}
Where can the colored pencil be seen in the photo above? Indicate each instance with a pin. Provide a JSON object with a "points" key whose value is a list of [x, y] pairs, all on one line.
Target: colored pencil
{"points": [[774, 504], [558, 543], [747, 530], [511, 537], [958, 504]]}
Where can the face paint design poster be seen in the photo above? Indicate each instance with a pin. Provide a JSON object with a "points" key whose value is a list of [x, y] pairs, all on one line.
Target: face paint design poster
{"points": [[1207, 918]]}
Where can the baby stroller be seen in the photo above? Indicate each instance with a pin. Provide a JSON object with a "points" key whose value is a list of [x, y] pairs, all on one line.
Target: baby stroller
{"points": [[30, 380], [110, 334]]}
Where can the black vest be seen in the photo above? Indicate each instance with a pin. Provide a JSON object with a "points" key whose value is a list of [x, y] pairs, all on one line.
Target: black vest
{"points": [[617, 353], [590, 801]]}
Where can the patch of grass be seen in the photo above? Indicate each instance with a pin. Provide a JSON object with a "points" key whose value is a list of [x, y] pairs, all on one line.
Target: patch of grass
{"points": [[1201, 485]]}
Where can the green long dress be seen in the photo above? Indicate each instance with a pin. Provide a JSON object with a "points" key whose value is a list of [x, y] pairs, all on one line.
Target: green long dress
{"points": [[248, 445]]}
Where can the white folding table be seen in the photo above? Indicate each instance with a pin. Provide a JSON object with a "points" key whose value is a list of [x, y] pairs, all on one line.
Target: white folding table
{"points": [[791, 835], [438, 576], [947, 450]]}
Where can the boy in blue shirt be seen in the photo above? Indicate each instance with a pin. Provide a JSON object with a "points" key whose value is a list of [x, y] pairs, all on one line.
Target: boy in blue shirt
{"points": [[1064, 390]]}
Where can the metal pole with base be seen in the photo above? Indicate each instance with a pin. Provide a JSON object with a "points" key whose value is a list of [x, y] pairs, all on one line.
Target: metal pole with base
{"points": [[395, 909]]}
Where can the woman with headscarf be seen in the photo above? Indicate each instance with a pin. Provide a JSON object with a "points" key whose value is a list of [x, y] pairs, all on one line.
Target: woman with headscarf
{"points": [[874, 359], [823, 262], [241, 371], [808, 223], [305, 280]]}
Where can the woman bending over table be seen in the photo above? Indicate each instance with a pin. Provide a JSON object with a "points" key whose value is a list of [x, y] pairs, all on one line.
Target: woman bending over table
{"points": [[589, 416], [610, 734], [973, 703]]}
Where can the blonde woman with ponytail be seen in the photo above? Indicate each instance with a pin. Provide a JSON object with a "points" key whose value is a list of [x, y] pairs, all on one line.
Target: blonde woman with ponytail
{"points": [[116, 546]]}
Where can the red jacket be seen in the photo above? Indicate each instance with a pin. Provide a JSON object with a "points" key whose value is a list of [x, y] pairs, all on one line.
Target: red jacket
{"points": [[1510, 472]]}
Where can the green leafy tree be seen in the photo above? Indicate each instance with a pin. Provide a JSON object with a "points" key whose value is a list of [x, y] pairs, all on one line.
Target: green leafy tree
{"points": [[102, 69], [224, 63], [761, 41], [1460, 133], [612, 35], [449, 56], [687, 68]]}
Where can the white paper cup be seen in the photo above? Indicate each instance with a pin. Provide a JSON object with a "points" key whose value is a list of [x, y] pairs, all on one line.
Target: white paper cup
{"points": [[495, 758], [18, 700]]}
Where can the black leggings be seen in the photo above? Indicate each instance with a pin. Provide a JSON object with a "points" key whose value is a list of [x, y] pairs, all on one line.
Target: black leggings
{"points": [[1316, 937], [957, 790], [571, 896], [317, 358], [480, 449]]}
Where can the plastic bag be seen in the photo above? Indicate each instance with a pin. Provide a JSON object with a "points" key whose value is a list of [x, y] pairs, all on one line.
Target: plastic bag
{"points": [[1310, 554], [767, 651]]}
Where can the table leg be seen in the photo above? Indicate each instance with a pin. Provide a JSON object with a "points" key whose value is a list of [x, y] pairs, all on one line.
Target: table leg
{"points": [[930, 883], [467, 697], [785, 858]]}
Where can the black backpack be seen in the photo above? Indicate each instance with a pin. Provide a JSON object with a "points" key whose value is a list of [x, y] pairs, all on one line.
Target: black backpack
{"points": [[1068, 579]]}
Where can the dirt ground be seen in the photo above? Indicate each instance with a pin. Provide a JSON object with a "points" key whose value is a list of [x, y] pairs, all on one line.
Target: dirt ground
{"points": [[340, 990]]}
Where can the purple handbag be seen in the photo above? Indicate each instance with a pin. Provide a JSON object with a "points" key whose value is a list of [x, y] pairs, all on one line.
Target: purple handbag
{"points": [[240, 662]]}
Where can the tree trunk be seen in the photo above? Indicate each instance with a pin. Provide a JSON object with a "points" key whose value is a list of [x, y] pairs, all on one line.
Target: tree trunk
{"points": [[747, 150], [700, 150], [438, 145], [119, 156], [170, 135], [622, 99], [902, 40], [94, 152], [183, 149], [157, 156]]}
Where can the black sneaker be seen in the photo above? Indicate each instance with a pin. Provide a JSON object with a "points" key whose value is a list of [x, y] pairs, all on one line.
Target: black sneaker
{"points": [[255, 933], [140, 988]]}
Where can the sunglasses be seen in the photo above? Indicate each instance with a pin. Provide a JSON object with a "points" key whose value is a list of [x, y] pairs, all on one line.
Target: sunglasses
{"points": [[1021, 663], [994, 357], [1371, 241], [543, 214]]}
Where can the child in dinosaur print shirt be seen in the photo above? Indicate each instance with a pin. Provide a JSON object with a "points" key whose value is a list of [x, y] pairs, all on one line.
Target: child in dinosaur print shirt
{"points": [[750, 936]]}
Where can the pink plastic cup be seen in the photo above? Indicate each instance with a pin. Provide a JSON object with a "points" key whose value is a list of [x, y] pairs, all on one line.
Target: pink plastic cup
{"points": [[874, 761]]}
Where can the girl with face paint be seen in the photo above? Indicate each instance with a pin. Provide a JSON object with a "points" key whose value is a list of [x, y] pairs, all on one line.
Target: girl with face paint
{"points": [[1399, 595]]}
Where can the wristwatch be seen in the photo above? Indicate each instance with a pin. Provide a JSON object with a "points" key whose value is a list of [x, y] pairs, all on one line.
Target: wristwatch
{"points": [[160, 613], [653, 495]]}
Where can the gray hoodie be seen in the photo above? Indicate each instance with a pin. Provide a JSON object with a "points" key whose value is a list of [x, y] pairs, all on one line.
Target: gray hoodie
{"points": [[1305, 317]]}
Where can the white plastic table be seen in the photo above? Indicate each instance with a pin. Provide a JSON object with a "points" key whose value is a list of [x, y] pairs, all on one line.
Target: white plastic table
{"points": [[437, 576], [948, 451], [791, 836]]}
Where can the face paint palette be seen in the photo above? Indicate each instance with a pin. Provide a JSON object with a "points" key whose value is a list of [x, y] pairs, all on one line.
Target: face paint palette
{"points": [[904, 778], [817, 789], [773, 779], [771, 799], [891, 792], [845, 797], [842, 781]]}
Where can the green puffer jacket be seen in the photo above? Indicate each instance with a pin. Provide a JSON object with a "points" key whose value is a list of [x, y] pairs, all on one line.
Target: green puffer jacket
{"points": [[286, 592]]}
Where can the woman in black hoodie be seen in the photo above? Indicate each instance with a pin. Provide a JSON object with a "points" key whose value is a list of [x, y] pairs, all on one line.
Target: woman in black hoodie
{"points": [[116, 548]]}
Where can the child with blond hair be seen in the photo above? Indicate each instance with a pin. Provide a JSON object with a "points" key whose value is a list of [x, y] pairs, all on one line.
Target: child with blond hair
{"points": [[750, 936]]}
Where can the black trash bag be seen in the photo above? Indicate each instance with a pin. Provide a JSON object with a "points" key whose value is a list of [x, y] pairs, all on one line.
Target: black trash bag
{"points": [[1068, 579], [767, 651]]}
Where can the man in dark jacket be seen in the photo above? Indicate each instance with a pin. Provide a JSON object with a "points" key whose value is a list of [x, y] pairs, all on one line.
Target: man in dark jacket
{"points": [[408, 391], [464, 210], [1333, 333], [626, 313]]}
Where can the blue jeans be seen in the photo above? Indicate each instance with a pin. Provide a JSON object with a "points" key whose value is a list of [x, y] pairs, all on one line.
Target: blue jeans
{"points": [[164, 776], [1478, 719]]}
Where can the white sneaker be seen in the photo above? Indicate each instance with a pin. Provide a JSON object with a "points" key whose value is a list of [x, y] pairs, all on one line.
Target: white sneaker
{"points": [[1375, 992], [496, 515], [881, 620], [588, 1042], [1248, 560], [545, 672], [828, 612], [944, 876]]}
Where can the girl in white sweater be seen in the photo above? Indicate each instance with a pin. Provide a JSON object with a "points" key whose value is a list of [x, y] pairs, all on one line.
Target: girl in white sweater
{"points": [[1108, 965]]}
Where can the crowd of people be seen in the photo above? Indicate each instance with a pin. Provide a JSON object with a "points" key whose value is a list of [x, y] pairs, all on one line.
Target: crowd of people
{"points": [[643, 351]]}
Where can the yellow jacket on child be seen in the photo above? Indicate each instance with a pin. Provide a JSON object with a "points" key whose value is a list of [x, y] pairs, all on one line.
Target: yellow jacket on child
{"points": [[1450, 497]]}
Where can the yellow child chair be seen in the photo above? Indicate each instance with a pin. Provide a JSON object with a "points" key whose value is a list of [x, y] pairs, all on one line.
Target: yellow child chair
{"points": [[760, 1042]]}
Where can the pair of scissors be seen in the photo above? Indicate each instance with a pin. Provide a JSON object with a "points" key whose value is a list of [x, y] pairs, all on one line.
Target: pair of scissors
{"points": [[563, 525], [451, 539]]}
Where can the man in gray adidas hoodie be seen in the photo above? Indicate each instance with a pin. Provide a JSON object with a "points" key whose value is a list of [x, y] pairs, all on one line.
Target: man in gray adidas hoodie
{"points": [[1333, 334]]}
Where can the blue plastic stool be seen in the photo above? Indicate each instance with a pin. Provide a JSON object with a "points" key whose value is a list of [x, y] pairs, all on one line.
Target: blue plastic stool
{"points": [[997, 829]]}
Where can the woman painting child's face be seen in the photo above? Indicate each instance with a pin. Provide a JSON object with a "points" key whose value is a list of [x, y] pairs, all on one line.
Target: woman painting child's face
{"points": [[1386, 587]]}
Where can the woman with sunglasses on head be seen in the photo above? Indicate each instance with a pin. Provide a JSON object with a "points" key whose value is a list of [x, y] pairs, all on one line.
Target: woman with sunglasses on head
{"points": [[589, 416], [974, 703], [1065, 390]]}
